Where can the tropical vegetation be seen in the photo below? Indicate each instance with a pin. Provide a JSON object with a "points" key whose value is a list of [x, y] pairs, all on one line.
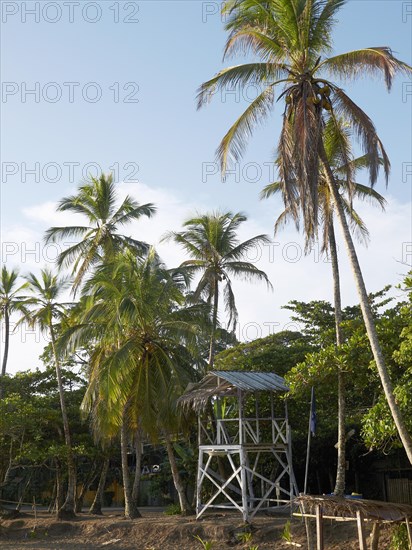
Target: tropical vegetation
{"points": [[126, 334], [292, 39]]}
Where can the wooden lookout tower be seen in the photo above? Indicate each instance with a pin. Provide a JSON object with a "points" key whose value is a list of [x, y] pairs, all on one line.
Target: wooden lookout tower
{"points": [[245, 457]]}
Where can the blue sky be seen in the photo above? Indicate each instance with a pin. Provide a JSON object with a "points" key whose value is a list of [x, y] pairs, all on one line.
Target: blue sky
{"points": [[162, 146]]}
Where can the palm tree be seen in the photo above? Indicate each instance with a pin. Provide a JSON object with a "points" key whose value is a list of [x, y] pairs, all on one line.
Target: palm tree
{"points": [[143, 335], [10, 301], [217, 255], [334, 136], [292, 38], [99, 239], [46, 312], [97, 504]]}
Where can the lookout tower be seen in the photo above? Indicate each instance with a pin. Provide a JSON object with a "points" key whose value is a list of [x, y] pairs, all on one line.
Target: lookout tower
{"points": [[245, 456]]}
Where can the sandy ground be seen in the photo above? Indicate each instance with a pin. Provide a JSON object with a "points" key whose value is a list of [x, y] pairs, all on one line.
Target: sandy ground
{"points": [[156, 531]]}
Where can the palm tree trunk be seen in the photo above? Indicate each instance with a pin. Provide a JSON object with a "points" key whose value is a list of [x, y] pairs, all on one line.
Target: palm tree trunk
{"points": [[68, 508], [184, 503], [85, 487], [6, 347], [7, 475], [404, 435], [130, 509], [52, 502], [6, 340], [138, 467], [214, 325], [341, 466], [96, 507], [59, 485]]}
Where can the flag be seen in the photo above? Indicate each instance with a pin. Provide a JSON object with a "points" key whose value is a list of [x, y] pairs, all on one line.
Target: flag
{"points": [[313, 418]]}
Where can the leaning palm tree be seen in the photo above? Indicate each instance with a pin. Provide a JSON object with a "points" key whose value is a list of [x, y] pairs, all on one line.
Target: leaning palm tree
{"points": [[96, 200], [143, 335], [45, 312], [217, 255], [292, 39], [336, 133], [11, 301]]}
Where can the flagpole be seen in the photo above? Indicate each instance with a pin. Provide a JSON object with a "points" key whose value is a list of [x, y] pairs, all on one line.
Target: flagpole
{"points": [[308, 444]]}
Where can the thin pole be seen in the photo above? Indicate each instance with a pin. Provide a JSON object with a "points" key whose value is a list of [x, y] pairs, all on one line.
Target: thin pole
{"points": [[408, 528], [361, 530], [308, 444], [319, 528]]}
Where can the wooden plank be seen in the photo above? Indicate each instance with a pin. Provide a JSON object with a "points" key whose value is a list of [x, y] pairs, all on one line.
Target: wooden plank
{"points": [[361, 530], [319, 528], [199, 483], [375, 536], [336, 518], [245, 505]]}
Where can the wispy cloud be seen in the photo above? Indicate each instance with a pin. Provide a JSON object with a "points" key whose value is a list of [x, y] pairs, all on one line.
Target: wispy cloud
{"points": [[293, 275]]}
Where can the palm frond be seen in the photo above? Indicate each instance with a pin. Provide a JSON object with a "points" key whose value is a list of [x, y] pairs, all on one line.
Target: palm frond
{"points": [[282, 220], [234, 142], [242, 249], [73, 204], [322, 21], [240, 75], [230, 305], [368, 61], [365, 132], [356, 223], [252, 39], [246, 271], [54, 234], [130, 210], [271, 189], [370, 195]]}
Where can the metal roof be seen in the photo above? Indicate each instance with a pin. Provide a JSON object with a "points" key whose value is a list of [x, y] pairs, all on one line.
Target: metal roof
{"points": [[253, 381], [226, 383]]}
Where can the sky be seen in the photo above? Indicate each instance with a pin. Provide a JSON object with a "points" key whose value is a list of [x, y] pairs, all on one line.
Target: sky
{"points": [[111, 86]]}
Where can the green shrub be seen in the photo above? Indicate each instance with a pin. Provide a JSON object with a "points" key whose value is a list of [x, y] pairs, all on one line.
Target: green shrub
{"points": [[400, 538], [173, 510]]}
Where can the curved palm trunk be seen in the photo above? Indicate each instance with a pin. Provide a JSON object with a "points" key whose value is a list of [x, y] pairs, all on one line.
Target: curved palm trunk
{"points": [[6, 347], [96, 507], [68, 509], [341, 467], [177, 480], [367, 312], [214, 325], [130, 509]]}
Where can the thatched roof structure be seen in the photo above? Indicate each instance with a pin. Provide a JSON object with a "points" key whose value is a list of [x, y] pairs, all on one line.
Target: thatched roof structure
{"points": [[341, 507], [227, 383]]}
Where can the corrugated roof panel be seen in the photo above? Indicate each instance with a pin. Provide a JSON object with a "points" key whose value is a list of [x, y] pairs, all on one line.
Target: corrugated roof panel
{"points": [[253, 381]]}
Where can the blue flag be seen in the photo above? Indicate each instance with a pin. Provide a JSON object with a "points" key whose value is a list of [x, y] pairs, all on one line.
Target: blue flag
{"points": [[313, 418]]}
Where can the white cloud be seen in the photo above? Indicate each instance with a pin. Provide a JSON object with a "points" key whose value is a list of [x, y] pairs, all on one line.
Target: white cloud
{"points": [[293, 275]]}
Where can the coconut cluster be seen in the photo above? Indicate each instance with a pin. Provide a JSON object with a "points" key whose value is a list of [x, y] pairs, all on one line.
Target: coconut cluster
{"points": [[320, 97]]}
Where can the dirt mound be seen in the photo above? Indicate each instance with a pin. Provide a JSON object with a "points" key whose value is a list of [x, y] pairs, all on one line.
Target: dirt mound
{"points": [[156, 531]]}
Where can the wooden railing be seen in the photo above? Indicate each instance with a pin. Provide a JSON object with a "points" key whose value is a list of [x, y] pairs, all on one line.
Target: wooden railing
{"points": [[245, 431]]}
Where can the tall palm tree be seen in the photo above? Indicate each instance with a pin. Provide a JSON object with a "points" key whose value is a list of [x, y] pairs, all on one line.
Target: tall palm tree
{"points": [[217, 255], [46, 313], [10, 301], [96, 200], [334, 136], [292, 39], [143, 334]]}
